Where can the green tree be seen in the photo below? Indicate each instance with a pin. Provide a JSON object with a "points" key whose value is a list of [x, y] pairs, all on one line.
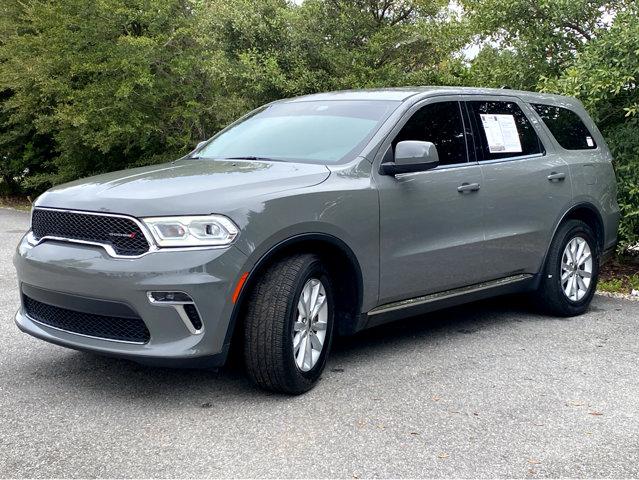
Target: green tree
{"points": [[524, 40], [106, 83], [373, 43], [604, 76]]}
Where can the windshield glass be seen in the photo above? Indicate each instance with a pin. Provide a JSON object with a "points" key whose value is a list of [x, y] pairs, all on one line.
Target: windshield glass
{"points": [[312, 132]]}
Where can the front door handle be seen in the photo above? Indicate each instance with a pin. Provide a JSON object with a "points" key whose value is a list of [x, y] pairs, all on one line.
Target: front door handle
{"points": [[468, 187], [557, 177]]}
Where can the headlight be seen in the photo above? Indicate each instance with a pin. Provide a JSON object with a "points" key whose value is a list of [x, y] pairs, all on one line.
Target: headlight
{"points": [[195, 231]]}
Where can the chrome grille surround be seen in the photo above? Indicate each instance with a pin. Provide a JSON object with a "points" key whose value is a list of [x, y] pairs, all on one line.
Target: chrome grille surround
{"points": [[142, 245]]}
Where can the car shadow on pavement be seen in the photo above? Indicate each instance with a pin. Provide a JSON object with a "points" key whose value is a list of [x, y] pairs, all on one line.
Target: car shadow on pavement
{"points": [[462, 320], [126, 380]]}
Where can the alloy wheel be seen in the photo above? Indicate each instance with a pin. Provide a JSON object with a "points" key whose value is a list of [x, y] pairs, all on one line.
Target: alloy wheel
{"points": [[576, 269], [309, 330]]}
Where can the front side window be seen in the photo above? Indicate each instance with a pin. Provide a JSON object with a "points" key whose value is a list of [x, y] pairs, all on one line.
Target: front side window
{"points": [[440, 123], [504, 130], [566, 126], [326, 132]]}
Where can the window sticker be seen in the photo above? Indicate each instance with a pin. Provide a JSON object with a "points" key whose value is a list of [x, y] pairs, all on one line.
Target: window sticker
{"points": [[590, 142], [501, 133]]}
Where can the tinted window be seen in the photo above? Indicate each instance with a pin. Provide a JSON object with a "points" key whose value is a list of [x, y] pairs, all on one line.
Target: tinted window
{"points": [[315, 131], [439, 123], [504, 130], [566, 126]]}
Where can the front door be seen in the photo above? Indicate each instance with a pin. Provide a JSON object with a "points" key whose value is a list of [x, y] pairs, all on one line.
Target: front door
{"points": [[431, 230]]}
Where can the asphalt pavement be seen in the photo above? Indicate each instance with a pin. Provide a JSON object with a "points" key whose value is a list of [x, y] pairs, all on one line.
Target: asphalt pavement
{"points": [[491, 389]]}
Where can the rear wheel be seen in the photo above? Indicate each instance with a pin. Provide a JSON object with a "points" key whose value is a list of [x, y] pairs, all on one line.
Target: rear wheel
{"points": [[289, 325], [571, 272]]}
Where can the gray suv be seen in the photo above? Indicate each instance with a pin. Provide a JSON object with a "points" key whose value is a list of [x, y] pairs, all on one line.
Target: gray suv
{"points": [[323, 215]]}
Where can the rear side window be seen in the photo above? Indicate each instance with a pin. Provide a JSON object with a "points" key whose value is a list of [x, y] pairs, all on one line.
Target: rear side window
{"points": [[566, 126], [504, 130], [440, 123]]}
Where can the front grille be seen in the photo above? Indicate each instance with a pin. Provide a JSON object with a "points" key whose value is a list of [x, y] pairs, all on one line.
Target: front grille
{"points": [[93, 325], [122, 234]]}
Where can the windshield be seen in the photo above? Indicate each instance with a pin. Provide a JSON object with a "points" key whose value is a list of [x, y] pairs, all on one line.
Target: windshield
{"points": [[325, 132]]}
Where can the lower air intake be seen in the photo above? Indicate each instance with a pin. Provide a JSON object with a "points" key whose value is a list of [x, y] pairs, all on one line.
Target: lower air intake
{"points": [[89, 324]]}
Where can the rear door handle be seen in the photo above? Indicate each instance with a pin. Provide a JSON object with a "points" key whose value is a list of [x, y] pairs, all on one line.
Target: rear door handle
{"points": [[556, 177], [468, 187]]}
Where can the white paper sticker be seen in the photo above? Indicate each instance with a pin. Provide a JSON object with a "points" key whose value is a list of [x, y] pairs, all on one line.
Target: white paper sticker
{"points": [[501, 133], [590, 142]]}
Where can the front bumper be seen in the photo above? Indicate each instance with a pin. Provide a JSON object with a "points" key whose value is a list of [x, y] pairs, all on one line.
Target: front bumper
{"points": [[208, 276]]}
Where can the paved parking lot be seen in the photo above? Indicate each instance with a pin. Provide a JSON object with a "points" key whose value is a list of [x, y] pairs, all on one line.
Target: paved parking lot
{"points": [[488, 390]]}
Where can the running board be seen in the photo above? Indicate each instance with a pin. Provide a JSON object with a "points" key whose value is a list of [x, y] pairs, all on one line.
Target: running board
{"points": [[474, 291]]}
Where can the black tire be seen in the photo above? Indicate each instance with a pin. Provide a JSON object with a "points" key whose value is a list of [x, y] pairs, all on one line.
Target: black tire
{"points": [[269, 321], [551, 295]]}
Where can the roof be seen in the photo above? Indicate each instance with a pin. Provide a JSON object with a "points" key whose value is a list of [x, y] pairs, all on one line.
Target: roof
{"points": [[403, 93]]}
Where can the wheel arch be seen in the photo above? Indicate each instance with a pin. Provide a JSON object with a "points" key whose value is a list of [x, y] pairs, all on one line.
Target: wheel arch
{"points": [[341, 261], [587, 213]]}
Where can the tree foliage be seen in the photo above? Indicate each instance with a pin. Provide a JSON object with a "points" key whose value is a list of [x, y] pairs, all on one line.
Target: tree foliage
{"points": [[528, 39]]}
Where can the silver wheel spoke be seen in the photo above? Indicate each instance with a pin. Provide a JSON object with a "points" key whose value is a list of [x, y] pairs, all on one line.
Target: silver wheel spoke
{"points": [[584, 259], [299, 326], [570, 252], [316, 342], [575, 248], [319, 303], [301, 348], [301, 306], [297, 341], [580, 283], [568, 289], [318, 326], [314, 295], [308, 353], [580, 252]]}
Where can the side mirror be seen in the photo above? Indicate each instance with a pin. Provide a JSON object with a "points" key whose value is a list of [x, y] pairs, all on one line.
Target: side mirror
{"points": [[411, 156]]}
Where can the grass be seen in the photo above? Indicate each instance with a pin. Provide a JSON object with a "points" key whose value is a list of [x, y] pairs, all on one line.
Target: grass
{"points": [[620, 275]]}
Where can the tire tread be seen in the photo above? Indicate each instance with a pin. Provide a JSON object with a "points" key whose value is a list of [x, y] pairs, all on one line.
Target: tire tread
{"points": [[550, 294], [265, 324]]}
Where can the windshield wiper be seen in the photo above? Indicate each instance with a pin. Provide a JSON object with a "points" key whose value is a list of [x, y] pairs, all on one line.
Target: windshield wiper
{"points": [[253, 157]]}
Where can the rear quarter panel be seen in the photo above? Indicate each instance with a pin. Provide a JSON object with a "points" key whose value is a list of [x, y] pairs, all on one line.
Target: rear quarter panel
{"points": [[592, 174]]}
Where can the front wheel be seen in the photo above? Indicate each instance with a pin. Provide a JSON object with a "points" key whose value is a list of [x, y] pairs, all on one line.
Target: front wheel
{"points": [[571, 272], [289, 325]]}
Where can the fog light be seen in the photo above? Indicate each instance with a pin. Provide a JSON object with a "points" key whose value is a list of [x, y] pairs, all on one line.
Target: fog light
{"points": [[170, 297], [183, 304]]}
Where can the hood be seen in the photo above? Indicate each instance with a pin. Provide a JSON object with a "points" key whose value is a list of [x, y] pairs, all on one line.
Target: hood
{"points": [[184, 187]]}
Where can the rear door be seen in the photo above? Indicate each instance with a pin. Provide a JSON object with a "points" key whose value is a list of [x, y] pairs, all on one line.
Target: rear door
{"points": [[526, 184], [431, 229]]}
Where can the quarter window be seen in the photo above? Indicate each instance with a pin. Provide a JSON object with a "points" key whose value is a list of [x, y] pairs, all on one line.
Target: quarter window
{"points": [[566, 126], [504, 130], [440, 123]]}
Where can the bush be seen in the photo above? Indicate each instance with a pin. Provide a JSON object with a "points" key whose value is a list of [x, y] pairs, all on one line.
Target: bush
{"points": [[623, 140]]}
